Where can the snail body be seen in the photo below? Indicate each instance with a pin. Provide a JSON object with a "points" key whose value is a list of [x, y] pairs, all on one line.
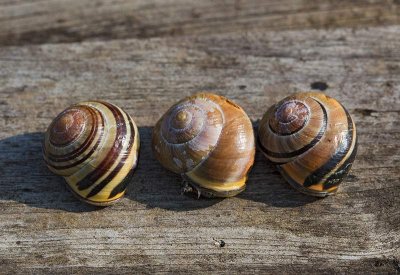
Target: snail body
{"points": [[94, 145], [209, 140], [312, 139]]}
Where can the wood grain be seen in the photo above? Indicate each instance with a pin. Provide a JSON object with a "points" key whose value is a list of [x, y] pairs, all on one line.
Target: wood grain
{"points": [[45, 21], [270, 228]]}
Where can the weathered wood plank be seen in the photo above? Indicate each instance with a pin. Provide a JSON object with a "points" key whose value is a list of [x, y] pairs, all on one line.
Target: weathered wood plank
{"points": [[268, 228], [46, 21]]}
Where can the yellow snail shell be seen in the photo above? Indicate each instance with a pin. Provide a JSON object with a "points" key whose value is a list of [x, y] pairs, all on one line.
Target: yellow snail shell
{"points": [[94, 146], [312, 139], [209, 140]]}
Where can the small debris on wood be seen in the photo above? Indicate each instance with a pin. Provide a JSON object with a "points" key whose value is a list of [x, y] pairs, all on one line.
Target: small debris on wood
{"points": [[318, 85], [219, 243]]}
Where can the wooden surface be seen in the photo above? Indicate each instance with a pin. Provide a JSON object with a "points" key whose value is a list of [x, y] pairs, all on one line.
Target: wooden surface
{"points": [[269, 228], [49, 21]]}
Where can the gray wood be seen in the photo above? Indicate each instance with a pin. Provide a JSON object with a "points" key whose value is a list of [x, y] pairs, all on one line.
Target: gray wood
{"points": [[269, 228], [45, 21]]}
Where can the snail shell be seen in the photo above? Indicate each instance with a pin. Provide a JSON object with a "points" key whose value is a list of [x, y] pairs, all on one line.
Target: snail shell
{"points": [[312, 139], [94, 146], [209, 140]]}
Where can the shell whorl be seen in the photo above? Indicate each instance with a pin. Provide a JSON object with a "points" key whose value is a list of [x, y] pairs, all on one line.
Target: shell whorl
{"points": [[94, 146], [187, 133], [289, 118], [312, 139], [208, 139]]}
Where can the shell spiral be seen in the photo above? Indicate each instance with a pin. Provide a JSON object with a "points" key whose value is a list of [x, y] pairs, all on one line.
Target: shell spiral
{"points": [[94, 146], [209, 140], [312, 139]]}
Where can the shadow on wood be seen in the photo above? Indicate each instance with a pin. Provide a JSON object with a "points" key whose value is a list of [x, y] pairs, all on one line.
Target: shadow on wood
{"points": [[26, 179]]}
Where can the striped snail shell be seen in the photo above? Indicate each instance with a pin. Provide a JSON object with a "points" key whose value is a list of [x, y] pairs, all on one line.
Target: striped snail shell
{"points": [[312, 139], [209, 140], [94, 146]]}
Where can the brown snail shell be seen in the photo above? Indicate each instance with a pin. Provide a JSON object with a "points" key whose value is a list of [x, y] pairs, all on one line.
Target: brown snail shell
{"points": [[312, 139], [209, 140], [94, 145]]}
